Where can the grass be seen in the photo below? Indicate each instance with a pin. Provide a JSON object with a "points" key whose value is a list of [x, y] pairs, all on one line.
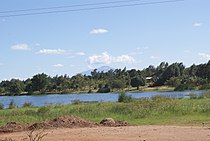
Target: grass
{"points": [[158, 110], [124, 98], [149, 89]]}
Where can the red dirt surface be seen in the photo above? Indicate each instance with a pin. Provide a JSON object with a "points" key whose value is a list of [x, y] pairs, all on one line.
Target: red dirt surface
{"points": [[72, 128], [60, 122], [127, 133]]}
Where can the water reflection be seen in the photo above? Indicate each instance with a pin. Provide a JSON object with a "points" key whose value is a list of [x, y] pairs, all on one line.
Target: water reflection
{"points": [[99, 97]]}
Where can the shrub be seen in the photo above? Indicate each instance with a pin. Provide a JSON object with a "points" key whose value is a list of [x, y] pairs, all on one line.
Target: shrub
{"points": [[104, 90], [205, 87], [1, 106], [90, 91], [30, 112], [124, 98], [200, 96], [36, 135], [43, 110], [66, 91], [12, 105], [76, 101], [27, 104], [193, 96], [206, 94], [184, 87], [159, 98]]}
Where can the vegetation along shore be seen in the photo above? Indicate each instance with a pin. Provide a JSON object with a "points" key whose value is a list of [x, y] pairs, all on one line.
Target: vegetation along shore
{"points": [[157, 110], [165, 77]]}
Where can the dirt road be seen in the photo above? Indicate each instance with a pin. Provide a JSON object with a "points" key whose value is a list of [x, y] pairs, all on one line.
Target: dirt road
{"points": [[129, 133]]}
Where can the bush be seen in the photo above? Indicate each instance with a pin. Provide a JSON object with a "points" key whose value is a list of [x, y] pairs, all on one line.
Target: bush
{"points": [[205, 87], [43, 110], [200, 96], [104, 90], [30, 112], [90, 91], [184, 87], [1, 106], [160, 98], [27, 104], [124, 98], [36, 135], [206, 94], [12, 105], [193, 96], [76, 101]]}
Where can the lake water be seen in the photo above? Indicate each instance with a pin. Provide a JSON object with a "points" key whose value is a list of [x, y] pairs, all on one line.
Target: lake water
{"points": [[68, 98]]}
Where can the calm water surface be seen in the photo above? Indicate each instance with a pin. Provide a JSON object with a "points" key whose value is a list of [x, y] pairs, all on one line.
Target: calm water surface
{"points": [[68, 98]]}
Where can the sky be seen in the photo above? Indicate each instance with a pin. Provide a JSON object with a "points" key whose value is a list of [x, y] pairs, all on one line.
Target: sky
{"points": [[76, 41]]}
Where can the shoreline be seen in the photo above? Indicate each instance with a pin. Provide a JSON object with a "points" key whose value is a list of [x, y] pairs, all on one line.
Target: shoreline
{"points": [[145, 89]]}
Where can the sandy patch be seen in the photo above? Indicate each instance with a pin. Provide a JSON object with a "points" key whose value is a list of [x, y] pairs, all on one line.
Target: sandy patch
{"points": [[128, 133]]}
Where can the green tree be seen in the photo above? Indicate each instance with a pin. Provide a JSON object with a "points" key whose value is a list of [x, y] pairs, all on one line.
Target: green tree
{"points": [[137, 81], [174, 70], [15, 87], [60, 83], [28, 86], [40, 82], [118, 84], [149, 72], [78, 82], [173, 81]]}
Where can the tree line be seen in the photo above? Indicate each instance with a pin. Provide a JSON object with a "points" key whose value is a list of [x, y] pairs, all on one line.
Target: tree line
{"points": [[174, 75]]}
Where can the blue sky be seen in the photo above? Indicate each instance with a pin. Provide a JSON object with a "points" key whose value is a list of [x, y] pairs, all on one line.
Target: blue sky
{"points": [[73, 42]]}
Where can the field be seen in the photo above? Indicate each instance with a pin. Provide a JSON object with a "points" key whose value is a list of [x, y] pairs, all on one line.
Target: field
{"points": [[157, 118], [158, 110]]}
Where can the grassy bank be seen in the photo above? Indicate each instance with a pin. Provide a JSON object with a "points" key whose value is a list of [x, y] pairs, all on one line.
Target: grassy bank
{"points": [[158, 110], [131, 89]]}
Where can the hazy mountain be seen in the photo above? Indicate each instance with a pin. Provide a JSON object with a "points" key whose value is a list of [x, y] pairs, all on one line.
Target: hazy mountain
{"points": [[100, 69]]}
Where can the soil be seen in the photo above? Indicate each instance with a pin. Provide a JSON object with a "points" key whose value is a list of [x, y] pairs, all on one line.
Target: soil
{"points": [[71, 128], [127, 133], [60, 122]]}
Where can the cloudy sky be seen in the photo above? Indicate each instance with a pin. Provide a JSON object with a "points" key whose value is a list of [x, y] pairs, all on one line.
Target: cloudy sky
{"points": [[75, 41]]}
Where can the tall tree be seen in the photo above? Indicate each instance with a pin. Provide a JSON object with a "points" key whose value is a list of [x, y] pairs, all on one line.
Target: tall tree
{"points": [[15, 87], [40, 82], [137, 81], [174, 70]]}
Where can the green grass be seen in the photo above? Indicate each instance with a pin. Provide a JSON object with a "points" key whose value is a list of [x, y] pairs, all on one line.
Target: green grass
{"points": [[158, 110]]}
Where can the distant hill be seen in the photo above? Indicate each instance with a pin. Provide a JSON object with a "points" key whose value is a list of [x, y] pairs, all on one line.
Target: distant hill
{"points": [[103, 68]]}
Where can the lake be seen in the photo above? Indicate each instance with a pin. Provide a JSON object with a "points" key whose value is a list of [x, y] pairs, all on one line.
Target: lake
{"points": [[43, 100]]}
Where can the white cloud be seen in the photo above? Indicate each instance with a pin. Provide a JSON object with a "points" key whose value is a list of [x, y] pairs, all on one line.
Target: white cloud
{"points": [[58, 65], [68, 53], [197, 24], [90, 67], [23, 47], [204, 56], [52, 51], [123, 59], [99, 31], [105, 58], [80, 53]]}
